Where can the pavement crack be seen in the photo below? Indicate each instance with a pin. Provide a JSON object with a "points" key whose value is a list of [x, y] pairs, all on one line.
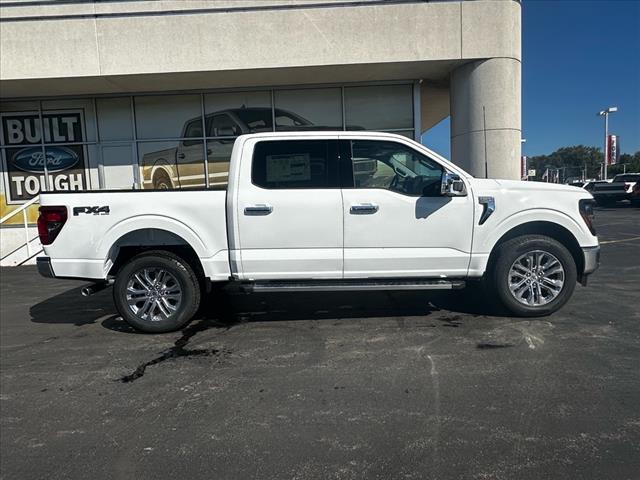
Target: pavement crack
{"points": [[490, 346], [178, 350]]}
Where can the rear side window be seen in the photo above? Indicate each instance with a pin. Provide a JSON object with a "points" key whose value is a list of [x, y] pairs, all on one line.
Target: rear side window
{"points": [[288, 164]]}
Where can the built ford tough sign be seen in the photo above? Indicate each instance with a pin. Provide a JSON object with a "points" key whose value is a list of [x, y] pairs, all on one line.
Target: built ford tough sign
{"points": [[323, 211]]}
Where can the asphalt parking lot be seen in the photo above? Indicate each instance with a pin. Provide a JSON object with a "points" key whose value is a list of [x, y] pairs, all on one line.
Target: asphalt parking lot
{"points": [[327, 386]]}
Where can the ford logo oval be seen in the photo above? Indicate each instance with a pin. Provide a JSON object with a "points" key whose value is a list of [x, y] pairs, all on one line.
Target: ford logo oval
{"points": [[58, 159]]}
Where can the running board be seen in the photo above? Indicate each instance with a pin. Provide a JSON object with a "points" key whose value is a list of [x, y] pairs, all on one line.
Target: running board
{"points": [[352, 285]]}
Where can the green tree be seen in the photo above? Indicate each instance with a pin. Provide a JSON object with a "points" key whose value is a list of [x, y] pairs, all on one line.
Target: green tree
{"points": [[571, 161], [628, 162]]}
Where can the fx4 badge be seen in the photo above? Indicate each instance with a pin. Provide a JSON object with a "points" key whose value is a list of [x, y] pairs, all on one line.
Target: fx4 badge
{"points": [[94, 210]]}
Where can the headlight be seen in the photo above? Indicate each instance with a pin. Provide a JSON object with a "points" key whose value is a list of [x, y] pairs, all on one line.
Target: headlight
{"points": [[586, 211]]}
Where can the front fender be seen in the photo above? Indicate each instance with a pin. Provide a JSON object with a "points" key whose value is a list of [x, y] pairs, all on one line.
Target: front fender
{"points": [[486, 238]]}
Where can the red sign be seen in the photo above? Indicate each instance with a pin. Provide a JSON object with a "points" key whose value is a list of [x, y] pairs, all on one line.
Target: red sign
{"points": [[613, 149]]}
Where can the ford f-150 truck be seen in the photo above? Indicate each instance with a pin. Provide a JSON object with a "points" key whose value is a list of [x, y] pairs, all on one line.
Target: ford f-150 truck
{"points": [[296, 215], [607, 193]]}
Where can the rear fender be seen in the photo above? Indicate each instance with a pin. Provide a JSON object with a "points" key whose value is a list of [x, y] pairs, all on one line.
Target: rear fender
{"points": [[156, 222]]}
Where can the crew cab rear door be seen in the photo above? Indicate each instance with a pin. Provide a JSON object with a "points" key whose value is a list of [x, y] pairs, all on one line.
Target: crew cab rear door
{"points": [[396, 222], [288, 210]]}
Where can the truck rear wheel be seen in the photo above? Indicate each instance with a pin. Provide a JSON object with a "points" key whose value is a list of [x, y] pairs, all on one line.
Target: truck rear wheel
{"points": [[157, 292], [533, 275]]}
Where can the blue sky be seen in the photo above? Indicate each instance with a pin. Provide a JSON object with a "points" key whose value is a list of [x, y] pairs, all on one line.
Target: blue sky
{"points": [[578, 57]]}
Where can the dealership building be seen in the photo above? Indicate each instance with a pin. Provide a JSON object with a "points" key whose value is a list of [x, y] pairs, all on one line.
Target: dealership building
{"points": [[129, 94]]}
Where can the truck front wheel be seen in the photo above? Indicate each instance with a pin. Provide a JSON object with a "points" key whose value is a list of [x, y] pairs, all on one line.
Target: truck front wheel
{"points": [[533, 275], [156, 292]]}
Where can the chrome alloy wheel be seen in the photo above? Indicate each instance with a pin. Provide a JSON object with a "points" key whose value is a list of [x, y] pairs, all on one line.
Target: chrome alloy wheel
{"points": [[536, 278], [153, 294]]}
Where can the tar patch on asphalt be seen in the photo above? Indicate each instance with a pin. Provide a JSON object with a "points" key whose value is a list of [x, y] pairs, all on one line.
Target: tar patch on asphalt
{"points": [[178, 350]]}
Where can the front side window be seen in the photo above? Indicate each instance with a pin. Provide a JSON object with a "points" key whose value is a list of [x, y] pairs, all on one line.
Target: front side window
{"points": [[395, 167], [295, 164]]}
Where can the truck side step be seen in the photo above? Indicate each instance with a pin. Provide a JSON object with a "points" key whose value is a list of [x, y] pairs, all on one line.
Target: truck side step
{"points": [[353, 285]]}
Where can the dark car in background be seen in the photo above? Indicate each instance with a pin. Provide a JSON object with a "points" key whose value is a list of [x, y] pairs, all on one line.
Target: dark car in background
{"points": [[607, 193]]}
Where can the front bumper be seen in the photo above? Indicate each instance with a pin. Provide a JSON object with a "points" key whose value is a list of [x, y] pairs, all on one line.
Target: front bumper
{"points": [[591, 262], [591, 259], [44, 267]]}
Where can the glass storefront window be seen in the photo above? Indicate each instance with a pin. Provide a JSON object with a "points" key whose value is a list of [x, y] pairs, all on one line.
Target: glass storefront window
{"points": [[62, 163], [385, 107], [11, 106], [171, 164], [232, 114], [69, 121], [306, 109], [162, 141], [118, 166], [405, 133], [165, 116], [114, 119], [218, 156]]}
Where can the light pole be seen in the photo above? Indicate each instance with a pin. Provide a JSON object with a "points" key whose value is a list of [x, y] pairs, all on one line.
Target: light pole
{"points": [[605, 114], [523, 160]]}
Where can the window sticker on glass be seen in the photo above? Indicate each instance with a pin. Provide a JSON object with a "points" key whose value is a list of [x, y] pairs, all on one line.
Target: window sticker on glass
{"points": [[288, 167]]}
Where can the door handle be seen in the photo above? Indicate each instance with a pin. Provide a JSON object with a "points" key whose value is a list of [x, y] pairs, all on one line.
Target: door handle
{"points": [[260, 209], [181, 155], [363, 209]]}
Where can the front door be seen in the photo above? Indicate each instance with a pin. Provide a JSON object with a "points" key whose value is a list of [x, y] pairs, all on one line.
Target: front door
{"points": [[289, 211], [396, 222]]}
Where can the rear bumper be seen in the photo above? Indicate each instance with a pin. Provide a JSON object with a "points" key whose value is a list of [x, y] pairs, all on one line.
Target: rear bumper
{"points": [[44, 267]]}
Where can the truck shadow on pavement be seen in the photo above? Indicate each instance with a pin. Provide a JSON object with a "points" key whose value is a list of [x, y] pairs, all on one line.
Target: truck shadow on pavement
{"points": [[223, 307]]}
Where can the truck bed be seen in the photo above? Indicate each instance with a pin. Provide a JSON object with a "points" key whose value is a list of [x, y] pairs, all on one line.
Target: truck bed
{"points": [[96, 221]]}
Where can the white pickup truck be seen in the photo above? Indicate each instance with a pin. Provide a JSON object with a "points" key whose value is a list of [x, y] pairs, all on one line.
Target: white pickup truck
{"points": [[323, 211]]}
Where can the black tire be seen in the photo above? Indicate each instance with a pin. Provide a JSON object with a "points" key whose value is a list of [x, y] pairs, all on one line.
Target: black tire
{"points": [[513, 249], [161, 181], [182, 275]]}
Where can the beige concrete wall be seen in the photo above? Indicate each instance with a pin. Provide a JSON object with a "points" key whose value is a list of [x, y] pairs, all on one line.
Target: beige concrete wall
{"points": [[102, 40]]}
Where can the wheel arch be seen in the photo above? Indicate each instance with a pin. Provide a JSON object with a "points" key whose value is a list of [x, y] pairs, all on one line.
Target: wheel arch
{"points": [[125, 241], [549, 229]]}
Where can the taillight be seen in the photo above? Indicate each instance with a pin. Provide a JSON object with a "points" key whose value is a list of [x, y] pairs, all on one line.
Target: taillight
{"points": [[50, 222], [586, 211]]}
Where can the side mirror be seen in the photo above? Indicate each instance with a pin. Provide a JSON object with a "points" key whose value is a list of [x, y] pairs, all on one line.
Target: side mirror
{"points": [[452, 185]]}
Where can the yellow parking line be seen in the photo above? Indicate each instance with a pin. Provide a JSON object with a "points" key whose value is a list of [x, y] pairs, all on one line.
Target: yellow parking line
{"points": [[622, 240]]}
